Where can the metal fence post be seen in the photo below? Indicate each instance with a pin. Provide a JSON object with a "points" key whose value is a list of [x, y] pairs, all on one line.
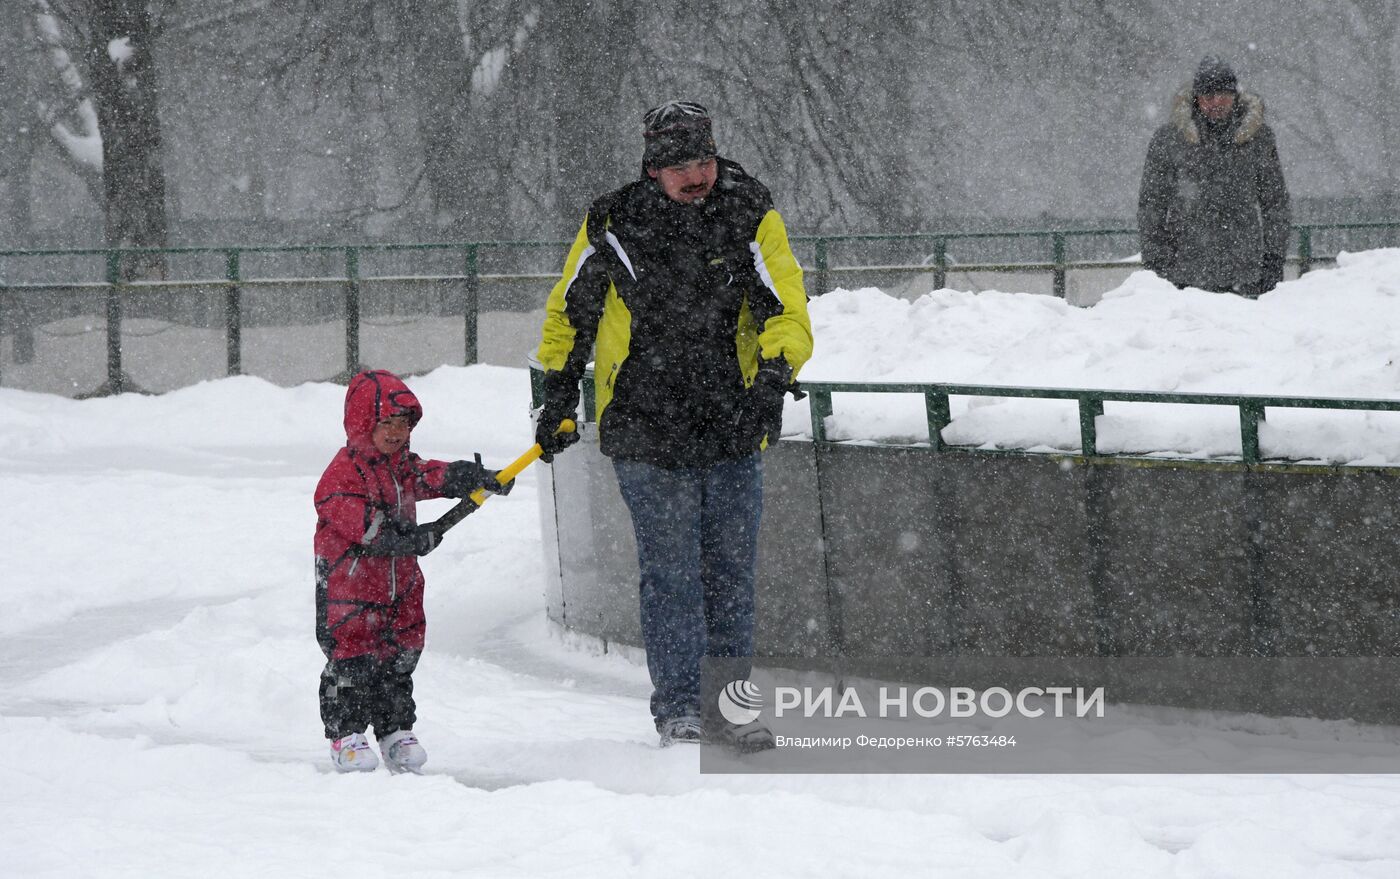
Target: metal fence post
{"points": [[536, 386], [471, 307], [1057, 241], [352, 311], [590, 398], [1090, 408], [115, 384], [940, 263], [233, 313], [822, 272], [22, 345], [1251, 414], [1304, 249], [820, 409], [939, 414]]}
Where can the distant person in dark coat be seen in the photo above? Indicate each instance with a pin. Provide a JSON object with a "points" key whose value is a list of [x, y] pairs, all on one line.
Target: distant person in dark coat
{"points": [[1213, 207]]}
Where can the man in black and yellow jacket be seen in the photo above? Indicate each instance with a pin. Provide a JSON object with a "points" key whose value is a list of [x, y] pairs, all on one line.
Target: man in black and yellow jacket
{"points": [[685, 284]]}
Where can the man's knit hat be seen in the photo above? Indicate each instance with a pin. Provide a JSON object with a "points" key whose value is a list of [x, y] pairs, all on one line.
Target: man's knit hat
{"points": [[675, 133], [1212, 77]]}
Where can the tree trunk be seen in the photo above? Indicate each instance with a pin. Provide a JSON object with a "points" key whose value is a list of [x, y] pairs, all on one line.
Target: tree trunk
{"points": [[1386, 18], [122, 74], [19, 125], [438, 76], [589, 45]]}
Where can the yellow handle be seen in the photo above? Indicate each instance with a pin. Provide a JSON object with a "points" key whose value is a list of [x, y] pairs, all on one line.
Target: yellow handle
{"points": [[513, 469]]}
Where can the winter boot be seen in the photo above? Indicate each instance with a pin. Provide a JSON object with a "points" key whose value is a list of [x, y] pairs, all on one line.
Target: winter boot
{"points": [[685, 728], [352, 753], [746, 738], [402, 753]]}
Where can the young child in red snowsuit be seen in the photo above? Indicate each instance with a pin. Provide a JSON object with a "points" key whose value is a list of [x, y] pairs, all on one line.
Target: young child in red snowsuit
{"points": [[369, 588]]}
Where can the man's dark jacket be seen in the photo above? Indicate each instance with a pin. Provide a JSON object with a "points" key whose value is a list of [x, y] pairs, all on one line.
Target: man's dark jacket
{"points": [[1213, 207], [680, 302]]}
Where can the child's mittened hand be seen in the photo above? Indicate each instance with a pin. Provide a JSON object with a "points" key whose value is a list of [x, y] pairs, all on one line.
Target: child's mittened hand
{"points": [[425, 539], [464, 477], [401, 539]]}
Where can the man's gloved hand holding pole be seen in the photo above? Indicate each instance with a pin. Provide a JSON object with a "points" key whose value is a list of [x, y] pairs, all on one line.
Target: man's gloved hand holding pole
{"points": [[551, 439], [765, 405]]}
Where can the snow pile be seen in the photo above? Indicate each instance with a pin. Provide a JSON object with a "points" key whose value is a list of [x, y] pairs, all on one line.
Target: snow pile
{"points": [[1328, 334]]}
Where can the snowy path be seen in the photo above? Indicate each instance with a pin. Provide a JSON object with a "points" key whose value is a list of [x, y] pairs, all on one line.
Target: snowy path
{"points": [[158, 673]]}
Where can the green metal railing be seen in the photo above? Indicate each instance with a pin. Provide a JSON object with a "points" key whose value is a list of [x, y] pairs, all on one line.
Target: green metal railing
{"points": [[1252, 409], [1057, 243], [936, 262], [235, 281]]}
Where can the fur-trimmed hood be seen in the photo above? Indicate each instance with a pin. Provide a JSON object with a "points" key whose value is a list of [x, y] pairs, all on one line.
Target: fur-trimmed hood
{"points": [[1248, 119]]}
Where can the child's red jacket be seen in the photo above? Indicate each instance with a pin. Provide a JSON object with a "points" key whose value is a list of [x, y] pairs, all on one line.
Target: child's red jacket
{"points": [[369, 603]]}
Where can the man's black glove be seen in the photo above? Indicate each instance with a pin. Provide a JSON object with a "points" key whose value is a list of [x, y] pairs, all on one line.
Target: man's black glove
{"points": [[547, 433], [400, 538], [465, 477], [1270, 272], [764, 407]]}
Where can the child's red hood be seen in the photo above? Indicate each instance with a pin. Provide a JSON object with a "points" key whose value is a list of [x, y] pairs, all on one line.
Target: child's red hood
{"points": [[372, 396]]}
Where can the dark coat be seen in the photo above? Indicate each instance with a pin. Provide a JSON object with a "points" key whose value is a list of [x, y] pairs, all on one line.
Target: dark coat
{"points": [[681, 301], [1213, 207]]}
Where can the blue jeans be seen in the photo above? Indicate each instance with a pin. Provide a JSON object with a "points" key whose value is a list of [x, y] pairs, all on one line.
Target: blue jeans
{"points": [[697, 547]]}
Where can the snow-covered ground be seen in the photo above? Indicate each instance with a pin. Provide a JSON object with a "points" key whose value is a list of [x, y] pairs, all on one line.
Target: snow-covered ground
{"points": [[158, 667]]}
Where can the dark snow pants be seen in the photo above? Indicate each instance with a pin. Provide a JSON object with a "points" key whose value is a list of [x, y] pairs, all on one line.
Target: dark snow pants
{"points": [[697, 548], [361, 692]]}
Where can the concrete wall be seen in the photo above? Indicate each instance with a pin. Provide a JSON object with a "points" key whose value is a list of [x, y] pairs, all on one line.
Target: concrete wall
{"points": [[871, 551], [593, 578]]}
